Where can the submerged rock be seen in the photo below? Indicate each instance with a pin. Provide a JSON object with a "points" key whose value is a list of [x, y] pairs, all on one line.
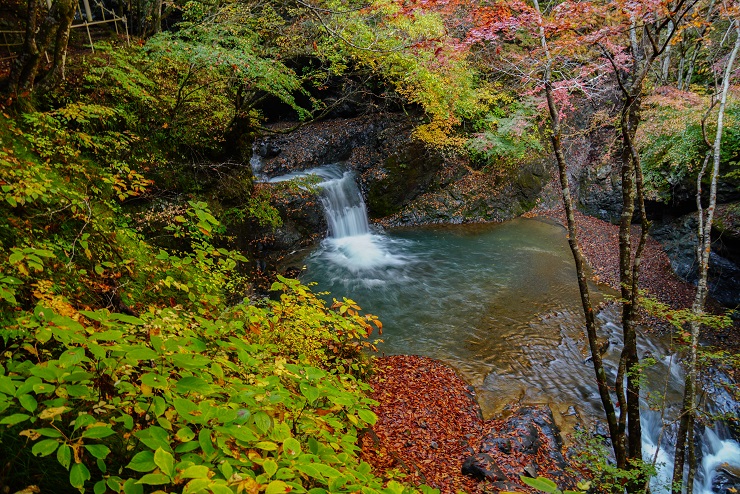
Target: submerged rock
{"points": [[482, 466], [726, 480]]}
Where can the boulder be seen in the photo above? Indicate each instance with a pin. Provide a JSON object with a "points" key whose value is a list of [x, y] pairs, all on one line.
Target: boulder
{"points": [[527, 443]]}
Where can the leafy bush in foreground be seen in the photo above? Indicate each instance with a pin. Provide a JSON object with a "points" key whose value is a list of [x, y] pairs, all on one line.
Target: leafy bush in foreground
{"points": [[185, 402]]}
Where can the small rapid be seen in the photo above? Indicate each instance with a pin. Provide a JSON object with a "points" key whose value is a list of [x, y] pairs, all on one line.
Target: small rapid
{"points": [[499, 304]]}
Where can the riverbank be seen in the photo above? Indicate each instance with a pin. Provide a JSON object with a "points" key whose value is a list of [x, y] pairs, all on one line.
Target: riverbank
{"points": [[600, 243]]}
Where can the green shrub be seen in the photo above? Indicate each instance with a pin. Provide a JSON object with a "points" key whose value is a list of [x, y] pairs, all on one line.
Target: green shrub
{"points": [[189, 403]]}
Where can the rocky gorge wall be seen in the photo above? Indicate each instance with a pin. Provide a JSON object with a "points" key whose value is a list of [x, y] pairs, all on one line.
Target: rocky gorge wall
{"points": [[407, 183]]}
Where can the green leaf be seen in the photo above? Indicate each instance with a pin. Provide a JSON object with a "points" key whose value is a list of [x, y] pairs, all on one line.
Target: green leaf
{"points": [[276, 487], [270, 467], [266, 445], [185, 434], [327, 471], [154, 437], [367, 416], [154, 380], [127, 319], [291, 447], [262, 421], [309, 469], [195, 472], [142, 353], [45, 447], [99, 451], [72, 356], [142, 462], [165, 461], [64, 455], [219, 489], [16, 418], [193, 384], [114, 484], [84, 420], [310, 392], [131, 487], [78, 474], [7, 386], [28, 402], [100, 487], [154, 479], [98, 432], [127, 420], [540, 483], [196, 485], [187, 447], [206, 444], [43, 388]]}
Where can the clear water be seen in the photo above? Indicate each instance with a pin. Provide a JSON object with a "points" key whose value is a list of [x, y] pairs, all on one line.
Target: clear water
{"points": [[496, 302]]}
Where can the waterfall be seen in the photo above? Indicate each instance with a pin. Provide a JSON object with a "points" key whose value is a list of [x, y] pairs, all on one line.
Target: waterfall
{"points": [[718, 451], [344, 207], [351, 245]]}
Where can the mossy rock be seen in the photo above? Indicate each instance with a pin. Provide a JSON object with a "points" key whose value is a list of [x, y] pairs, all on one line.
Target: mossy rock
{"points": [[407, 175], [727, 220]]}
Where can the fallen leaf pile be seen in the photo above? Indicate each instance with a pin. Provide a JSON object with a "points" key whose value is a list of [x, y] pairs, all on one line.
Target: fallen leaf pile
{"points": [[429, 423]]}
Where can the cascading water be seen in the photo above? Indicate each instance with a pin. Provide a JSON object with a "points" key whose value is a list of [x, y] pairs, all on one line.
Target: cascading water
{"points": [[344, 207], [498, 303], [351, 247]]}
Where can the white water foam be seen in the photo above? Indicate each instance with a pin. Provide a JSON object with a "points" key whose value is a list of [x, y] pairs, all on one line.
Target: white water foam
{"points": [[351, 244]]}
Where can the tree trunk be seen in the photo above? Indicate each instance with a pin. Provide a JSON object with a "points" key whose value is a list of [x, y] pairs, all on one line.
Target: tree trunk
{"points": [[579, 260], [685, 436], [66, 9], [52, 30]]}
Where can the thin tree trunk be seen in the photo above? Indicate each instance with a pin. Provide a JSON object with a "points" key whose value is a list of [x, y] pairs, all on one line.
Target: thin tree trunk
{"points": [[685, 437], [666, 62], [65, 16], [53, 28], [579, 260]]}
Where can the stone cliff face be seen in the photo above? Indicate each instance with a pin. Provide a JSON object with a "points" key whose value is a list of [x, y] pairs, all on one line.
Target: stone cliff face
{"points": [[594, 169], [404, 182]]}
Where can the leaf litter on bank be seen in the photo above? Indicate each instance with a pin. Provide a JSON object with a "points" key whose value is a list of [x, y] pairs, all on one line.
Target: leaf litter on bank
{"points": [[429, 422]]}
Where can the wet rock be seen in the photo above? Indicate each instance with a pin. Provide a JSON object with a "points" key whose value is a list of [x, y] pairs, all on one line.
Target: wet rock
{"points": [[527, 443], [678, 238], [732, 471], [530, 471], [483, 467], [494, 444], [726, 480], [600, 430], [321, 143], [267, 150]]}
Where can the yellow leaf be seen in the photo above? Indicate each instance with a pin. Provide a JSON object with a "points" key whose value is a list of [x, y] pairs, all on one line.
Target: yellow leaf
{"points": [[31, 434], [52, 412], [31, 489]]}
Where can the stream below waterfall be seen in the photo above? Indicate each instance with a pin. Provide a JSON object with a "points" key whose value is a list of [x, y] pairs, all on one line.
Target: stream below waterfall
{"points": [[497, 302]]}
